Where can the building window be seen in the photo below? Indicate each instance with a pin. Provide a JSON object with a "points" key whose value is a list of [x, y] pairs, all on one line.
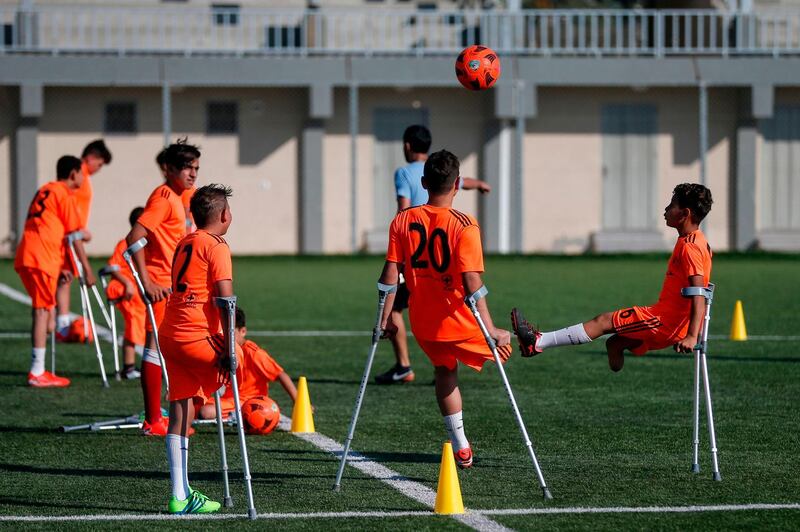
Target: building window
{"points": [[222, 118], [225, 14], [120, 117]]}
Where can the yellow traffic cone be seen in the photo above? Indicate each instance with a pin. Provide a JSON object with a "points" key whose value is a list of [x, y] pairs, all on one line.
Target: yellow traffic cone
{"points": [[302, 419], [448, 494], [738, 329]]}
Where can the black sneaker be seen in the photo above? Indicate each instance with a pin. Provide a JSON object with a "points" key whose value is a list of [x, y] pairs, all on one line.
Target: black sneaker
{"points": [[396, 374]]}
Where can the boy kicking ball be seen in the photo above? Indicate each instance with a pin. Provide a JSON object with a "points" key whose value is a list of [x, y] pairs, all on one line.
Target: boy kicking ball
{"points": [[672, 321], [439, 249], [194, 336]]}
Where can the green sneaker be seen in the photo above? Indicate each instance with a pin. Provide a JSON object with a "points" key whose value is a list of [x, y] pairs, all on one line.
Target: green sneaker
{"points": [[197, 503]]}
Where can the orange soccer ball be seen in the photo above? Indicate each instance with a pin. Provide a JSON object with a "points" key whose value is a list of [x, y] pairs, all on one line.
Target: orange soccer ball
{"points": [[260, 415], [477, 67]]}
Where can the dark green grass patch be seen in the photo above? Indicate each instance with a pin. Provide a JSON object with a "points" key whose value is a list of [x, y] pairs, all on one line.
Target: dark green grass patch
{"points": [[602, 439]]}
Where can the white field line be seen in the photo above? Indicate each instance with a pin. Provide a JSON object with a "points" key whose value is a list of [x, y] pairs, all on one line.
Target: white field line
{"points": [[355, 515], [409, 488]]}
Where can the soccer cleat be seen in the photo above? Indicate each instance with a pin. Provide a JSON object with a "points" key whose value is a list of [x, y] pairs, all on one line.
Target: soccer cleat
{"points": [[463, 457], [527, 334], [47, 380], [196, 503], [396, 374], [159, 428]]}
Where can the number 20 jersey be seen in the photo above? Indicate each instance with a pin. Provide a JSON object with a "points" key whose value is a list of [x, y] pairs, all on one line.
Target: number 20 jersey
{"points": [[436, 245], [201, 260]]}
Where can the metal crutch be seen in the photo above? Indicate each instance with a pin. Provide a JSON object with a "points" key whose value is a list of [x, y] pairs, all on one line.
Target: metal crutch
{"points": [[128, 256], [701, 370], [472, 302], [227, 500], [104, 273], [383, 291], [228, 304], [86, 303]]}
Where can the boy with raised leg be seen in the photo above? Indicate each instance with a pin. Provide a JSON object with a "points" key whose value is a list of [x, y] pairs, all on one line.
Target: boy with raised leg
{"points": [[194, 335], [439, 250], [673, 321]]}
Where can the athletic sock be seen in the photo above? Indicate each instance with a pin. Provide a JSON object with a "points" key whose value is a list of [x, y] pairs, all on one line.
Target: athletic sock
{"points": [[63, 322], [151, 385], [37, 360], [454, 424], [178, 460], [574, 335]]}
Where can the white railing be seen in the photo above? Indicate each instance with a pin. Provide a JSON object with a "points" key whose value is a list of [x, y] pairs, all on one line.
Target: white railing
{"points": [[190, 30]]}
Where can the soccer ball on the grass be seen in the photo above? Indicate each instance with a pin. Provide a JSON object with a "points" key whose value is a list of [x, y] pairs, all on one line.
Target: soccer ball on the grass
{"points": [[477, 67], [260, 415]]}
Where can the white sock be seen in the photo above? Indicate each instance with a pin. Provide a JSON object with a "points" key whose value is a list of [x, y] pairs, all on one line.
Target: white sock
{"points": [[37, 360], [454, 424], [63, 321], [178, 460], [574, 335], [151, 356]]}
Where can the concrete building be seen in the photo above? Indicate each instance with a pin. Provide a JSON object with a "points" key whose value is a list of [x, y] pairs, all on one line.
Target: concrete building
{"points": [[597, 116]]}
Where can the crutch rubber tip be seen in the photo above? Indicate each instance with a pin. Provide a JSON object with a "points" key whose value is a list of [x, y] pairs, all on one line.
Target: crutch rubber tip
{"points": [[118, 377], [717, 476], [228, 502], [337, 488], [695, 468], [106, 385], [547, 495], [251, 514]]}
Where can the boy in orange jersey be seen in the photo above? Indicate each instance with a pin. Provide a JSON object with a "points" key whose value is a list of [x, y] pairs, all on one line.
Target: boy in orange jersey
{"points": [[186, 197], [672, 321], [122, 290], [52, 215], [194, 334], [94, 156], [163, 222], [258, 369], [440, 251]]}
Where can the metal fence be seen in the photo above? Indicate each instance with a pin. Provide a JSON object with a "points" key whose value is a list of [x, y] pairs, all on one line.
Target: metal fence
{"points": [[189, 30]]}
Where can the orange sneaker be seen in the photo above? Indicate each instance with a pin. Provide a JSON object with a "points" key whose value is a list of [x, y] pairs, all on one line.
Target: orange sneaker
{"points": [[159, 428], [47, 380], [463, 458]]}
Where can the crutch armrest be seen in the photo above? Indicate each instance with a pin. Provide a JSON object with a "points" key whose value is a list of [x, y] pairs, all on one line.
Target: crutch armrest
{"points": [[693, 291], [74, 236], [386, 289], [105, 271], [136, 246], [472, 299]]}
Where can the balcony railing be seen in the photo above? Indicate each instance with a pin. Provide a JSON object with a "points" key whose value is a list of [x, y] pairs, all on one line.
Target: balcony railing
{"points": [[187, 30]]}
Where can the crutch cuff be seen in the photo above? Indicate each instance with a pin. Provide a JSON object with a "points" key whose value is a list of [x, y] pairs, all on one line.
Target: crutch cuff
{"points": [[136, 246], [74, 236], [224, 301], [108, 270], [693, 291], [472, 299], [387, 288]]}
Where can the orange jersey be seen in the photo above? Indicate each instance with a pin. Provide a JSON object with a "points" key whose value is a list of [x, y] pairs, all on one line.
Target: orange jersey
{"points": [[83, 196], [691, 256], [257, 370], [51, 215], [165, 220], [201, 260], [436, 245]]}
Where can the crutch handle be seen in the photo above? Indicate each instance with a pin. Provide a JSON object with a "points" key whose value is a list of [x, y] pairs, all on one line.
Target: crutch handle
{"points": [[74, 236], [136, 246]]}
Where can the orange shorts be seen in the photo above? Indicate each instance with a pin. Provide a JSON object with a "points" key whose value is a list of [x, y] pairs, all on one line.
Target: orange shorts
{"points": [[40, 286], [158, 312], [192, 366], [472, 352], [641, 323], [133, 312]]}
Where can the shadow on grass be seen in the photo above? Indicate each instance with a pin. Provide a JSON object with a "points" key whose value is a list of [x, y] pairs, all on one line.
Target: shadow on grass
{"points": [[710, 356], [29, 430], [418, 382], [37, 502]]}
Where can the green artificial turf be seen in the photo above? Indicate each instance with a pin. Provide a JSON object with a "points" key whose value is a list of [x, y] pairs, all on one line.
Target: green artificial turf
{"points": [[603, 439]]}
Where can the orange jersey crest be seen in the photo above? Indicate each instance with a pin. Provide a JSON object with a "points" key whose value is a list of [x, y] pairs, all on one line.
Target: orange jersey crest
{"points": [[436, 245]]}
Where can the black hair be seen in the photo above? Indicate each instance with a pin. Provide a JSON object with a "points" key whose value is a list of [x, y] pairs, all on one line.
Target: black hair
{"points": [[135, 213], [694, 197], [66, 165], [441, 172], [161, 158], [180, 154], [241, 321], [208, 201], [97, 148], [418, 138]]}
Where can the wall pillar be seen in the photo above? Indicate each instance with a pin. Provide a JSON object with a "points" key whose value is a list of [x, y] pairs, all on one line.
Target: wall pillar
{"points": [[312, 174], [25, 171]]}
